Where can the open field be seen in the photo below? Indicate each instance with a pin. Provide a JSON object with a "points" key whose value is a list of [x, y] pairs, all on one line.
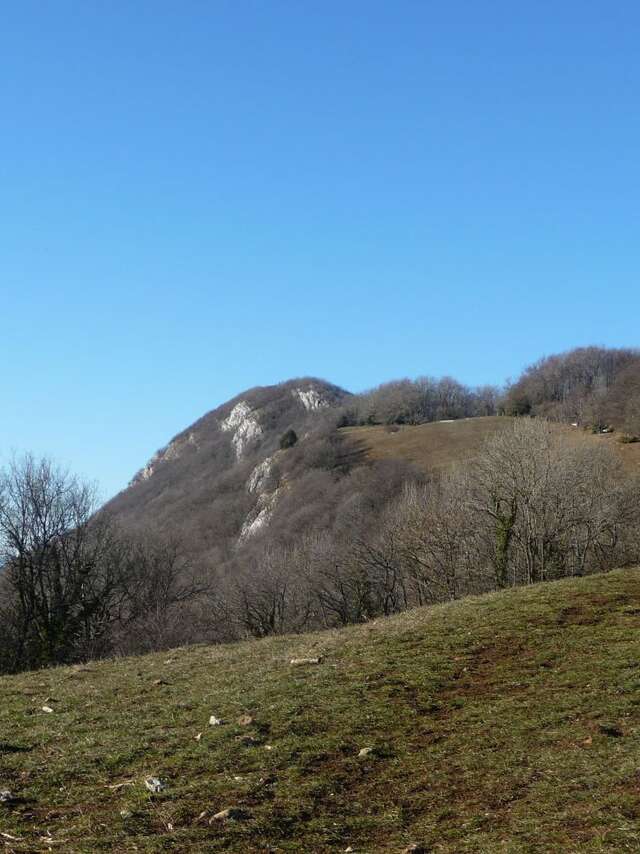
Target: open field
{"points": [[508, 723], [440, 444]]}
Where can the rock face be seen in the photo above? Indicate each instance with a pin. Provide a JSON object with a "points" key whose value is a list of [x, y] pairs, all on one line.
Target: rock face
{"points": [[260, 475], [260, 516], [311, 398], [243, 425], [172, 451]]}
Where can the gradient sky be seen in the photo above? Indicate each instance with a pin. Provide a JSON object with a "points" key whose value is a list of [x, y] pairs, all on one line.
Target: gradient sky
{"points": [[199, 197]]}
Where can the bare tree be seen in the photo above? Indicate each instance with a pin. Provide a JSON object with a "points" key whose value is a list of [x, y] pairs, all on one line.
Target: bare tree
{"points": [[546, 507], [58, 562]]}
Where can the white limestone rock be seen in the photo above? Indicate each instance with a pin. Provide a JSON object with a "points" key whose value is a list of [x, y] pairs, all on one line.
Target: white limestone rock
{"points": [[310, 398], [260, 475], [172, 451], [254, 522], [244, 426]]}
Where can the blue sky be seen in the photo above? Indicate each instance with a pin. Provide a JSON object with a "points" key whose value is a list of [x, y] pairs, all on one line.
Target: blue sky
{"points": [[198, 197]]}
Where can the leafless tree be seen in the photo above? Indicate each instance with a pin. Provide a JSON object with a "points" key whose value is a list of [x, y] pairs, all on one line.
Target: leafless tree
{"points": [[58, 562]]}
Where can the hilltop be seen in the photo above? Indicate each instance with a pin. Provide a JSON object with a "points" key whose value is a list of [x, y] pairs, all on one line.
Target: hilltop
{"points": [[508, 722]]}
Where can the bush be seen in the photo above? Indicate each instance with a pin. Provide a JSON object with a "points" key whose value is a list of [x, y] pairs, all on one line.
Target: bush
{"points": [[288, 439]]}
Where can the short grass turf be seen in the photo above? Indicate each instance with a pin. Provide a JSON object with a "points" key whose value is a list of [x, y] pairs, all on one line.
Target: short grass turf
{"points": [[507, 723], [441, 445]]}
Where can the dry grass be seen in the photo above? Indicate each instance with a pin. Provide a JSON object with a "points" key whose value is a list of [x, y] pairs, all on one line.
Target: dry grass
{"points": [[442, 444]]}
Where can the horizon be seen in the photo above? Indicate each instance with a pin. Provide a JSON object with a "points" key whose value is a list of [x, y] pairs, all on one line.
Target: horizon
{"points": [[203, 199]]}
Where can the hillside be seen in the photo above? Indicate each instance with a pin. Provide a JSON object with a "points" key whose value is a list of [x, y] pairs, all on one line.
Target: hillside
{"points": [[433, 447], [216, 477], [440, 445], [509, 722]]}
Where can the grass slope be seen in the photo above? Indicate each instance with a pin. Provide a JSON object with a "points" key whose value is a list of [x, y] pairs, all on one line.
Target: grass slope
{"points": [[436, 445], [441, 444], [508, 723]]}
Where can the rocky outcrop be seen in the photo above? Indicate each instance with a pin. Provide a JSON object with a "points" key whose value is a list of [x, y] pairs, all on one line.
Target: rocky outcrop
{"points": [[173, 451], [243, 425], [310, 398]]}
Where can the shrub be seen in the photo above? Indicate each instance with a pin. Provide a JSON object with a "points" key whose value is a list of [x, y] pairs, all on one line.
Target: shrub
{"points": [[288, 439]]}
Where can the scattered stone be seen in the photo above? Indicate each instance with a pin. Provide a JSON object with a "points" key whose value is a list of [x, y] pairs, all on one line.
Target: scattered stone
{"points": [[245, 720], [214, 721], [154, 785], [230, 814], [6, 797], [158, 682], [125, 814], [366, 751], [47, 709], [268, 747], [301, 662], [198, 736]]}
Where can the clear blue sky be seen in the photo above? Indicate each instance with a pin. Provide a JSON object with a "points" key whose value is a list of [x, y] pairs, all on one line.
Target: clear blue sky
{"points": [[198, 197]]}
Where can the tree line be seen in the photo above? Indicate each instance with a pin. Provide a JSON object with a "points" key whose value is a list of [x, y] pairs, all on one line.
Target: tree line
{"points": [[594, 387]]}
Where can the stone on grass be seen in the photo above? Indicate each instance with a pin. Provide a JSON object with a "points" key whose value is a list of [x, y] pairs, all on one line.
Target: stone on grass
{"points": [[230, 814], [366, 751], [154, 785], [6, 796], [301, 662], [214, 721], [245, 720], [47, 709]]}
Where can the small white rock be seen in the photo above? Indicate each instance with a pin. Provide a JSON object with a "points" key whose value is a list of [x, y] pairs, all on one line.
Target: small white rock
{"points": [[47, 709], [366, 751], [300, 662], [230, 814], [214, 721], [154, 785], [5, 796]]}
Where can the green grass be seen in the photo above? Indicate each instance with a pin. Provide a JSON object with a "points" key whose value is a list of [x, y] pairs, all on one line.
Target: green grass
{"points": [[508, 723]]}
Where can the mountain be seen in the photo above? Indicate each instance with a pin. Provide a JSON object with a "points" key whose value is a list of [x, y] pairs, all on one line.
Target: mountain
{"points": [[281, 464], [507, 722], [217, 482]]}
